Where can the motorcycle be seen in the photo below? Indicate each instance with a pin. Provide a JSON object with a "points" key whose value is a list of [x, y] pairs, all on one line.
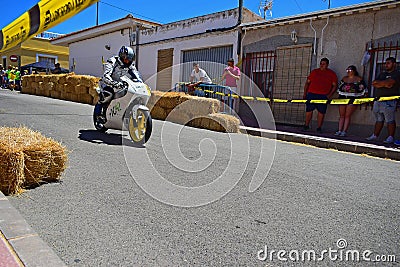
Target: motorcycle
{"points": [[127, 110]]}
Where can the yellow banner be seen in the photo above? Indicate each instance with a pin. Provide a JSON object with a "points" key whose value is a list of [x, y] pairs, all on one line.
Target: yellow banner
{"points": [[16, 32], [41, 17], [52, 12]]}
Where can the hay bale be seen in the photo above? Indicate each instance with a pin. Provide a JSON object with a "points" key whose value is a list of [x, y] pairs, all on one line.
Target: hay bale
{"points": [[11, 170], [89, 81], [158, 113], [54, 78], [73, 80], [85, 99], [38, 78], [28, 159], [170, 100], [155, 96], [55, 94], [178, 117], [74, 97], [68, 88], [92, 91], [81, 89], [95, 100], [48, 86], [223, 123], [62, 78]]}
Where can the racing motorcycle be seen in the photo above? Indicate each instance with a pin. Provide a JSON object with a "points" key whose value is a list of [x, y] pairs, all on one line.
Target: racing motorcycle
{"points": [[127, 110]]}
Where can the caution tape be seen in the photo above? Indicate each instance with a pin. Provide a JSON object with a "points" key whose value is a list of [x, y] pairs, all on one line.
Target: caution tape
{"points": [[42, 16], [357, 101]]}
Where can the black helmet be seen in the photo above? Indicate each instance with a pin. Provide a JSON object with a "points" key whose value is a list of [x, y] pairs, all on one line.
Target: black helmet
{"points": [[126, 52]]}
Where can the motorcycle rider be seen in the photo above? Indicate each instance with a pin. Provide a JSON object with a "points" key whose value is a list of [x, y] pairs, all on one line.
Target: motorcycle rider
{"points": [[114, 69]]}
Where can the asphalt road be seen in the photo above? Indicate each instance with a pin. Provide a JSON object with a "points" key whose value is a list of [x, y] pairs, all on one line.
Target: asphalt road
{"points": [[99, 215]]}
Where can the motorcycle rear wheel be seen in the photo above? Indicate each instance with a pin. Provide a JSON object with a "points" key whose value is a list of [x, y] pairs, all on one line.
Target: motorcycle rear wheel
{"points": [[140, 128]]}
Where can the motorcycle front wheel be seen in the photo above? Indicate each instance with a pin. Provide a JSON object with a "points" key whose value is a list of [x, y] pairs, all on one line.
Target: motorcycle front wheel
{"points": [[96, 116], [140, 127]]}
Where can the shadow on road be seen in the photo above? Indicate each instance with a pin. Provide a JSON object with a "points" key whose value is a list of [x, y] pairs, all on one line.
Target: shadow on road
{"points": [[96, 137]]}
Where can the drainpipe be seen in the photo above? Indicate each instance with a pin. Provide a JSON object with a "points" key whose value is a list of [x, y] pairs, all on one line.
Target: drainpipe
{"points": [[315, 37], [322, 33]]}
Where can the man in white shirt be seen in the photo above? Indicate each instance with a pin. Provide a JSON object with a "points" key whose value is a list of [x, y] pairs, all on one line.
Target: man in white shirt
{"points": [[198, 76]]}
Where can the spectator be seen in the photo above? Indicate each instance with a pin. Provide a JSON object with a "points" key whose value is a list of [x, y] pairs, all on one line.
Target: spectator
{"points": [[231, 75], [7, 76], [17, 79], [2, 73], [386, 84], [320, 85], [197, 77], [351, 86], [11, 77], [57, 69]]}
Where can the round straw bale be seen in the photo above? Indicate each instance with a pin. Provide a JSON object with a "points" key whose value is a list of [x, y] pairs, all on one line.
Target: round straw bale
{"points": [[178, 117], [158, 113]]}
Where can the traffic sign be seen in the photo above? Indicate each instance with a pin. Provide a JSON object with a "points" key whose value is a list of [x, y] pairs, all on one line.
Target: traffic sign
{"points": [[14, 58]]}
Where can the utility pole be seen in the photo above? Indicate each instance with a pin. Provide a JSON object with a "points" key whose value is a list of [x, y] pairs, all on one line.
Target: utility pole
{"points": [[240, 18], [97, 13]]}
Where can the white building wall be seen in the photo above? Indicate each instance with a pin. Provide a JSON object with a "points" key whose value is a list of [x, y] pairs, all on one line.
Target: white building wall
{"points": [[88, 54], [190, 26], [148, 53]]}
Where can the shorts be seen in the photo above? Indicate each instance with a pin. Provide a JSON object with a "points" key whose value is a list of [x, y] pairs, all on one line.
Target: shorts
{"points": [[320, 107], [384, 111]]}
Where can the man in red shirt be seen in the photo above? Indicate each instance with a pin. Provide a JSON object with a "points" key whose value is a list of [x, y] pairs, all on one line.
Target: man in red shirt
{"points": [[320, 85]]}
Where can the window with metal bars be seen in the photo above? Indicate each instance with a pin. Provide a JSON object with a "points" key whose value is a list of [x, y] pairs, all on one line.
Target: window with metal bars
{"points": [[259, 67], [377, 54]]}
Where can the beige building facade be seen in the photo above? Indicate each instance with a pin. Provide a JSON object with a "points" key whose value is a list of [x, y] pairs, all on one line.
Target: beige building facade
{"points": [[279, 54]]}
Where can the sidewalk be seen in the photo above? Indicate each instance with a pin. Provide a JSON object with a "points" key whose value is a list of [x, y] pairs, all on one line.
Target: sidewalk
{"points": [[327, 139], [20, 245]]}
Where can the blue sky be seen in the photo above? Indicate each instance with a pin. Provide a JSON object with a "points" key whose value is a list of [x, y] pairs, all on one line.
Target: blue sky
{"points": [[163, 11]]}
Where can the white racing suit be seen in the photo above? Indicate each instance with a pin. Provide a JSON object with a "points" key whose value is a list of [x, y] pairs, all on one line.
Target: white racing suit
{"points": [[111, 81]]}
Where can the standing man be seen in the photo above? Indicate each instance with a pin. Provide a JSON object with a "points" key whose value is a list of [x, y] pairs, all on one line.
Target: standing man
{"points": [[320, 85], [231, 75], [386, 84], [198, 76]]}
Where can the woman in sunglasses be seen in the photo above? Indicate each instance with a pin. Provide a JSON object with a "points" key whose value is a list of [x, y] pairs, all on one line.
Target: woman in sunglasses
{"points": [[351, 86]]}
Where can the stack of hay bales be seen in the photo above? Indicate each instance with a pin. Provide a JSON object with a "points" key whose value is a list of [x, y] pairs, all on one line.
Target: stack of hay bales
{"points": [[77, 88], [28, 159], [191, 110]]}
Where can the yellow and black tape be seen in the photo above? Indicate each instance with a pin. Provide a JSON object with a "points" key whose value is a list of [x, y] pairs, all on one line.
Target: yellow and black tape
{"points": [[42, 16], [357, 101]]}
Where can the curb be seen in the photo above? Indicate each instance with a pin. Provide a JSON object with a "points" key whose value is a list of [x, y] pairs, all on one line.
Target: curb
{"points": [[29, 248], [323, 142]]}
